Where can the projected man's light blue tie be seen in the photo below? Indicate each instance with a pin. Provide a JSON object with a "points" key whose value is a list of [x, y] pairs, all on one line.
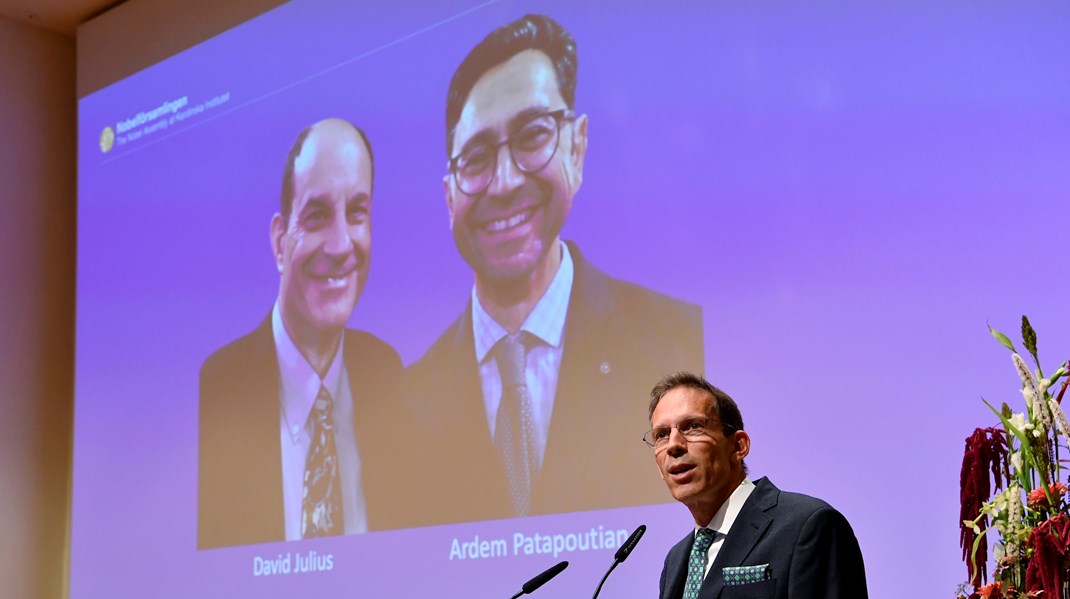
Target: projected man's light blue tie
{"points": [[321, 505], [514, 428]]}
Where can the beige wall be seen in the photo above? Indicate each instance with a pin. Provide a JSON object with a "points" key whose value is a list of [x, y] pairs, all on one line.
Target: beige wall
{"points": [[38, 209], [139, 33], [37, 224]]}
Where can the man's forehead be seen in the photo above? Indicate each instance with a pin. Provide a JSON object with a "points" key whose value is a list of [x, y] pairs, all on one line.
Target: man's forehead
{"points": [[682, 402], [524, 81], [331, 146]]}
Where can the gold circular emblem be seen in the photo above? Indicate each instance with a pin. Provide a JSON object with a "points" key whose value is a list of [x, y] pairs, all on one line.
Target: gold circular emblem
{"points": [[107, 139]]}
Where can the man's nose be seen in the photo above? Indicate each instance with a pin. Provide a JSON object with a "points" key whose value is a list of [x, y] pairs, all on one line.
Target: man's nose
{"points": [[677, 443], [507, 176], [338, 241]]}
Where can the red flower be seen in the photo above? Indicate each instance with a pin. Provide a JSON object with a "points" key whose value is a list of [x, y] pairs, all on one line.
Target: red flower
{"points": [[1050, 542], [991, 591], [986, 454]]}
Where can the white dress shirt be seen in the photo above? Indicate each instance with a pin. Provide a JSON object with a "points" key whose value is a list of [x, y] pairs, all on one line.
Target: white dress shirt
{"points": [[725, 517], [545, 329], [297, 393]]}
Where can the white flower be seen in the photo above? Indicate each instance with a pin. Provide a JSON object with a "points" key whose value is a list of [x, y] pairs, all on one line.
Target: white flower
{"points": [[1030, 397], [1013, 495], [994, 508], [1033, 399], [1020, 422], [1016, 461], [1023, 371], [1060, 418]]}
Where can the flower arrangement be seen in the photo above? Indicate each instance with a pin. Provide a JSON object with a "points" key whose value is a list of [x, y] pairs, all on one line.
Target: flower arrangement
{"points": [[1012, 481]]}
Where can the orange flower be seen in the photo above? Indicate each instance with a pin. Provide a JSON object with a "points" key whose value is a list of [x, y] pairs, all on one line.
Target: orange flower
{"points": [[1037, 500], [991, 591]]}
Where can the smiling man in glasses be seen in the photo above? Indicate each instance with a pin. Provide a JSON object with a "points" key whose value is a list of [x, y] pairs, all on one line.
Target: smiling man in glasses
{"points": [[530, 390], [751, 539]]}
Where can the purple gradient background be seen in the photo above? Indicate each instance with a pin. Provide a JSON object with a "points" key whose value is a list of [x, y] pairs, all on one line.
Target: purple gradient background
{"points": [[849, 192]]}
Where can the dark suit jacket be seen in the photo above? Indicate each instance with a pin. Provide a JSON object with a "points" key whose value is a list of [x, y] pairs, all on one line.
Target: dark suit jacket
{"points": [[619, 340], [239, 499], [809, 546]]}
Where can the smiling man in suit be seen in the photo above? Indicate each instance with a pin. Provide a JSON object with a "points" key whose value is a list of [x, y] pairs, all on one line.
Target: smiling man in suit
{"points": [[291, 413], [527, 395], [751, 539]]}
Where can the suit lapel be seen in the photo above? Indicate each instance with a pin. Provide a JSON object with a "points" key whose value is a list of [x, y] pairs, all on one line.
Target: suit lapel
{"points": [[468, 409], [676, 568], [466, 386], [580, 381], [750, 525], [263, 449], [369, 426], [604, 376]]}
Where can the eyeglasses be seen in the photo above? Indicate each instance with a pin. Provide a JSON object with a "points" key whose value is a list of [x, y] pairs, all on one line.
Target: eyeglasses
{"points": [[690, 428], [531, 147]]}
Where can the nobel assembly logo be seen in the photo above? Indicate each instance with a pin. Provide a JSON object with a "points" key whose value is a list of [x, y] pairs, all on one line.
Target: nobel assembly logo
{"points": [[107, 139], [160, 118], [169, 107]]}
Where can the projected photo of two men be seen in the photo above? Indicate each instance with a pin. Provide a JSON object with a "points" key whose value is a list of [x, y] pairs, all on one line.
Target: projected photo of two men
{"points": [[530, 402]]}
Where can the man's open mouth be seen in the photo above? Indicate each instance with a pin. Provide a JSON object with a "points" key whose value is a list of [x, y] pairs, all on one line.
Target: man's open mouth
{"points": [[334, 280], [681, 468]]}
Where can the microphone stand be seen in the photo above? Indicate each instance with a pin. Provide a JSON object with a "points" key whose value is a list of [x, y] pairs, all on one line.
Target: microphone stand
{"points": [[621, 555], [599, 589]]}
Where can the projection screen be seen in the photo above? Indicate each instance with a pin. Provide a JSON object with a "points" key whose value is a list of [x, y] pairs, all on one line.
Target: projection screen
{"points": [[817, 206]]}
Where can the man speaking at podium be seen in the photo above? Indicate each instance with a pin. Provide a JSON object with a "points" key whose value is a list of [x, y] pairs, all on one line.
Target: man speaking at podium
{"points": [[531, 388], [751, 539], [294, 415]]}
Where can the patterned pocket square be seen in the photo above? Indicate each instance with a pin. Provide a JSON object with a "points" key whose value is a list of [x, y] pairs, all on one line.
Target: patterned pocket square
{"points": [[737, 575]]}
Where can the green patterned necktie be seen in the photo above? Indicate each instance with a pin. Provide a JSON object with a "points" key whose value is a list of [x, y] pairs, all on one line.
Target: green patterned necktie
{"points": [[321, 506], [696, 565]]}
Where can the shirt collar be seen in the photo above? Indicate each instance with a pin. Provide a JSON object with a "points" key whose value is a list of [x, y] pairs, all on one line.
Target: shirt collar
{"points": [[299, 382], [726, 516], [546, 321]]}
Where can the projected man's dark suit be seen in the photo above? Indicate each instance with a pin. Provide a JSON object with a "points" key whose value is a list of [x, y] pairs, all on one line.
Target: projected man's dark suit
{"points": [[240, 475], [618, 337], [809, 547]]}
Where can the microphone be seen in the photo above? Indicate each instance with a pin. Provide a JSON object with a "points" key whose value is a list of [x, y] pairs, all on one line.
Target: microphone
{"points": [[530, 586], [622, 554], [626, 549]]}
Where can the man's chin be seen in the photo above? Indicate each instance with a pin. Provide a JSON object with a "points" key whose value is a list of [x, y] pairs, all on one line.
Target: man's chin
{"points": [[503, 271], [330, 320], [683, 493]]}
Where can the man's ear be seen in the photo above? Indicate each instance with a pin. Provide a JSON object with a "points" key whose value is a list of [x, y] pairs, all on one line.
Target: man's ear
{"points": [[742, 445], [278, 229], [579, 148], [447, 191]]}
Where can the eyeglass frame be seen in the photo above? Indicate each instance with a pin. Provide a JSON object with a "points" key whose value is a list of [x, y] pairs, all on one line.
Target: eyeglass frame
{"points": [[560, 116], [705, 430]]}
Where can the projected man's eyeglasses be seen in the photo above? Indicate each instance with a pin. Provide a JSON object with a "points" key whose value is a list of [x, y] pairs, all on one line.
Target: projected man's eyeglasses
{"points": [[531, 147]]}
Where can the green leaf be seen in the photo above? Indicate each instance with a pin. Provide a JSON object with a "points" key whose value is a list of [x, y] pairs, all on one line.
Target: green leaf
{"points": [[1003, 340], [1060, 373], [1029, 338], [1029, 461], [1008, 426], [976, 544]]}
